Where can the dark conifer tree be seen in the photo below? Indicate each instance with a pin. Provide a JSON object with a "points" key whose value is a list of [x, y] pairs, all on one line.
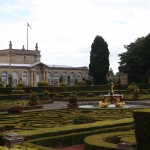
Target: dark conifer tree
{"points": [[99, 61]]}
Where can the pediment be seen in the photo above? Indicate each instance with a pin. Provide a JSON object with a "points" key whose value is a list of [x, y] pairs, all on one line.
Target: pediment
{"points": [[39, 65]]}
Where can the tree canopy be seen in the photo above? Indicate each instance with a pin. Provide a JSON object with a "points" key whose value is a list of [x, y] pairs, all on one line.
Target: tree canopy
{"points": [[99, 61], [135, 61]]}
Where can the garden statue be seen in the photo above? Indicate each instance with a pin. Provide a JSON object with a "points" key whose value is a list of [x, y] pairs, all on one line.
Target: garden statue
{"points": [[112, 98]]}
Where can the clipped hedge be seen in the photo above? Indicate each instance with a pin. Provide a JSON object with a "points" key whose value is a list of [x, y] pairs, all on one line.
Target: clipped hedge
{"points": [[73, 138], [7, 90], [75, 128], [37, 147], [73, 134], [105, 141], [142, 128], [13, 96]]}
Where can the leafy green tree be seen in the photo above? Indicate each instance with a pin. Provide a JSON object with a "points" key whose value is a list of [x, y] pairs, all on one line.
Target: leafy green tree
{"points": [[135, 61], [99, 61]]}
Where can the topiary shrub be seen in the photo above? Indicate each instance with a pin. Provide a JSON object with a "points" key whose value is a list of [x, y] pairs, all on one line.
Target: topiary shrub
{"points": [[81, 82], [136, 93], [63, 84], [42, 83], [83, 119], [73, 101], [21, 85], [18, 91], [72, 98], [46, 95], [33, 96], [132, 87]]}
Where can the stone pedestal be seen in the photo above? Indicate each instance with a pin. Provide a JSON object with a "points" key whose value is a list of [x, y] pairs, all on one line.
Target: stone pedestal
{"points": [[12, 139]]}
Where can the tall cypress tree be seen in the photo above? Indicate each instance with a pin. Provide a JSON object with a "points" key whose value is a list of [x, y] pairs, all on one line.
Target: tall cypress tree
{"points": [[99, 61]]}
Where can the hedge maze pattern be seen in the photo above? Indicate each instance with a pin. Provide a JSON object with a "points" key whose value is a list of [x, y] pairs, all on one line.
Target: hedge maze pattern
{"points": [[56, 118]]}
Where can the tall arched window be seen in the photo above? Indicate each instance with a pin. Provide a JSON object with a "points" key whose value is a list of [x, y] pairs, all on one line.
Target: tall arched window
{"points": [[49, 78], [4, 78], [25, 78], [37, 78], [56, 78], [79, 76], [64, 77], [14, 79], [72, 79]]}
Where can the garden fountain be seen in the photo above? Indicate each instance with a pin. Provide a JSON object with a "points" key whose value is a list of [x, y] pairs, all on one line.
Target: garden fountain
{"points": [[114, 101], [112, 98]]}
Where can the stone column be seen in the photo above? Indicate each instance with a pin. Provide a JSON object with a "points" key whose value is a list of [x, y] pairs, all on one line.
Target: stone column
{"points": [[45, 76], [31, 78]]}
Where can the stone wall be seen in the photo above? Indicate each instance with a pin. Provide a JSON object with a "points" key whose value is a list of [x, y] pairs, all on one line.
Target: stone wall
{"points": [[16, 56]]}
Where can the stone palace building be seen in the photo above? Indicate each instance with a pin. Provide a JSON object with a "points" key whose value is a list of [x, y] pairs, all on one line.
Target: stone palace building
{"points": [[26, 65]]}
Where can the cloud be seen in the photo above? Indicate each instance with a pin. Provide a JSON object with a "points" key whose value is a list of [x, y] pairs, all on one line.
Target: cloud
{"points": [[66, 29]]}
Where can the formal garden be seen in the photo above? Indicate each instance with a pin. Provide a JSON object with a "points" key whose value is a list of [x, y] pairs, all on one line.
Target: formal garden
{"points": [[22, 113]]}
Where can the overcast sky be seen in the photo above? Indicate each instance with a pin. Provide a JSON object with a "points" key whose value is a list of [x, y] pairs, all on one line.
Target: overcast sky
{"points": [[65, 29]]}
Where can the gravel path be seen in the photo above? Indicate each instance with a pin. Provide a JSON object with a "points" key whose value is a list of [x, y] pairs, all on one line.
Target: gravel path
{"points": [[55, 105], [51, 106]]}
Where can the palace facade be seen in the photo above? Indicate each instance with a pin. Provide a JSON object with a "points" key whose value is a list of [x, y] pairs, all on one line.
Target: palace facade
{"points": [[26, 65]]}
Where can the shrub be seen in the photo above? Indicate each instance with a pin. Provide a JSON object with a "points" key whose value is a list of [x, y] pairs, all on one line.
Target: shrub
{"points": [[42, 83], [46, 95], [33, 96], [132, 87], [73, 101], [81, 82], [136, 93], [83, 119], [18, 91], [15, 109], [63, 84], [72, 98], [21, 85]]}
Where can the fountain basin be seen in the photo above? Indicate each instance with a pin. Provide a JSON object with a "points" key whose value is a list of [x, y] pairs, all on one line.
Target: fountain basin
{"points": [[128, 105]]}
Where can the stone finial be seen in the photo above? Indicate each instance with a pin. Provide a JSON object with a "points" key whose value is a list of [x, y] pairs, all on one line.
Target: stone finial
{"points": [[10, 45], [36, 46], [23, 47]]}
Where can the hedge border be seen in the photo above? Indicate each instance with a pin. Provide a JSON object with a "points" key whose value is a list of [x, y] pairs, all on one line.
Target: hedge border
{"points": [[98, 141]]}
